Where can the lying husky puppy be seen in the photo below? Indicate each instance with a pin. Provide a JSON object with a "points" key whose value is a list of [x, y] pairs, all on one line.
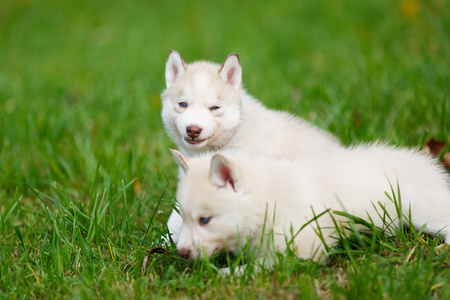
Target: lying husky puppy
{"points": [[205, 109], [232, 197]]}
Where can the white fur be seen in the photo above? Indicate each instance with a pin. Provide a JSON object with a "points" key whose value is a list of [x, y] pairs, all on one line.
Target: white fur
{"points": [[241, 122], [235, 189]]}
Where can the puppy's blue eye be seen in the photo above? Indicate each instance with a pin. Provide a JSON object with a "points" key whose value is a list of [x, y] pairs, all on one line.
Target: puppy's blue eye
{"points": [[214, 107], [183, 104], [204, 220]]}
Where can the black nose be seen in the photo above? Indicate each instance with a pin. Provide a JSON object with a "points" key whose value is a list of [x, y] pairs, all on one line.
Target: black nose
{"points": [[193, 131], [184, 253]]}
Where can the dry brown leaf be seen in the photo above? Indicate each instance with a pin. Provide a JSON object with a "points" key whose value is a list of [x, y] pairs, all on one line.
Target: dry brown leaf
{"points": [[446, 160], [137, 187], [409, 8], [152, 251], [145, 264], [435, 147]]}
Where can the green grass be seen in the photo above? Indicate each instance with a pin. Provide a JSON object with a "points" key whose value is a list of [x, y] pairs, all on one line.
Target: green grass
{"points": [[84, 159]]}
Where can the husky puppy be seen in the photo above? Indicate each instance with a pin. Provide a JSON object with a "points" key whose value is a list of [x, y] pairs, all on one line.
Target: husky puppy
{"points": [[232, 197], [205, 108]]}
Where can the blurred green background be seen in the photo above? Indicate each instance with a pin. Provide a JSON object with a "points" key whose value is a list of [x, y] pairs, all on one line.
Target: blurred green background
{"points": [[80, 80]]}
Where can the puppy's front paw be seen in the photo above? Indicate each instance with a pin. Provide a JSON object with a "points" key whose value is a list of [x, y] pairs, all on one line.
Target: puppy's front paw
{"points": [[225, 272]]}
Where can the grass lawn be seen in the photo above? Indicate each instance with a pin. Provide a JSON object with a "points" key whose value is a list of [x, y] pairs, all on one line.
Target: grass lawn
{"points": [[86, 176]]}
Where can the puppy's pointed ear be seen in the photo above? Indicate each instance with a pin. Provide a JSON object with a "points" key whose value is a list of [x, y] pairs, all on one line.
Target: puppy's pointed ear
{"points": [[175, 66], [231, 71], [222, 172], [181, 160]]}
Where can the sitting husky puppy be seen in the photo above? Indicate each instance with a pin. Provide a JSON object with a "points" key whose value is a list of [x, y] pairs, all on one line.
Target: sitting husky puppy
{"points": [[233, 197], [205, 108]]}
